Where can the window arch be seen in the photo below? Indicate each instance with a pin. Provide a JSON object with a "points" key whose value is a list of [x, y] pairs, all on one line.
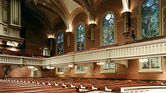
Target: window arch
{"points": [[108, 29], [60, 43], [150, 19], [80, 39]]}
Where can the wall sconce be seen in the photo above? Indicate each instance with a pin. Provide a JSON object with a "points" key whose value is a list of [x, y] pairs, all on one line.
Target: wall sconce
{"points": [[143, 60], [92, 32], [70, 66], [100, 63], [68, 38], [126, 17]]}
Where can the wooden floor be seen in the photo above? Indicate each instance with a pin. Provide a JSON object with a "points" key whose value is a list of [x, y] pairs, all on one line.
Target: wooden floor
{"points": [[15, 87]]}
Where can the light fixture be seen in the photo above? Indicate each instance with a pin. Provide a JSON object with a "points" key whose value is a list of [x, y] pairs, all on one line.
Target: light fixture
{"points": [[50, 67], [100, 63], [68, 37], [36, 69], [126, 16], [68, 31], [51, 36], [44, 3], [143, 60], [70, 65], [12, 49], [31, 67], [92, 25]]}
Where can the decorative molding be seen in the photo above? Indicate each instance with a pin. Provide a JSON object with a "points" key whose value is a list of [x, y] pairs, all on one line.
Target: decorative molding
{"points": [[20, 60], [139, 50], [122, 62], [120, 54]]}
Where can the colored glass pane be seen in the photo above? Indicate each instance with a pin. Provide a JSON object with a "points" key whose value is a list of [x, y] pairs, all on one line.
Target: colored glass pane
{"points": [[146, 65], [80, 37], [149, 3], [155, 62], [150, 19], [111, 66], [108, 29], [60, 43]]}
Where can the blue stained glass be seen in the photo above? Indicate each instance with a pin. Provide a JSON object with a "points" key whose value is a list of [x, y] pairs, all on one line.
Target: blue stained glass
{"points": [[149, 3], [108, 16], [80, 37], [144, 5], [145, 23], [82, 68], [108, 29], [154, 21], [156, 1], [150, 20], [60, 43], [78, 68]]}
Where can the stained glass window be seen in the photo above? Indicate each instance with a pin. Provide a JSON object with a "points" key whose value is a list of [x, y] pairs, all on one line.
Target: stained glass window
{"points": [[80, 37], [108, 66], [79, 69], [60, 43], [108, 29], [150, 19], [59, 70], [152, 65]]}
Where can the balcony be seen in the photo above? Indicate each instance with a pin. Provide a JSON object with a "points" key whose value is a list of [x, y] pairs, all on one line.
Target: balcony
{"points": [[118, 53]]}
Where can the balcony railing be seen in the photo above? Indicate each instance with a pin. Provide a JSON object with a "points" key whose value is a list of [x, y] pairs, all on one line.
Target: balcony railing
{"points": [[125, 52], [20, 60]]}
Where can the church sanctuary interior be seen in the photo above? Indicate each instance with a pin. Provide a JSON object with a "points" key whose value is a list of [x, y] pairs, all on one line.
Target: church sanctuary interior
{"points": [[83, 46]]}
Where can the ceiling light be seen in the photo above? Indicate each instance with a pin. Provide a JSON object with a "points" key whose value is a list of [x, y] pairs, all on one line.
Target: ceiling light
{"points": [[31, 67]]}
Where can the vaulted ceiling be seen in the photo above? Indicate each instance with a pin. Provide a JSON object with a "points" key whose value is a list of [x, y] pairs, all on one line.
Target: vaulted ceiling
{"points": [[51, 12]]}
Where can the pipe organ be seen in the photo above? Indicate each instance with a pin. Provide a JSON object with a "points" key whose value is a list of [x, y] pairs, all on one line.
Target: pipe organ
{"points": [[10, 21]]}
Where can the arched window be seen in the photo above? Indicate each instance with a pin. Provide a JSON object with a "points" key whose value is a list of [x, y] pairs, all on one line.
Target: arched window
{"points": [[108, 29], [150, 19], [60, 43], [80, 37]]}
